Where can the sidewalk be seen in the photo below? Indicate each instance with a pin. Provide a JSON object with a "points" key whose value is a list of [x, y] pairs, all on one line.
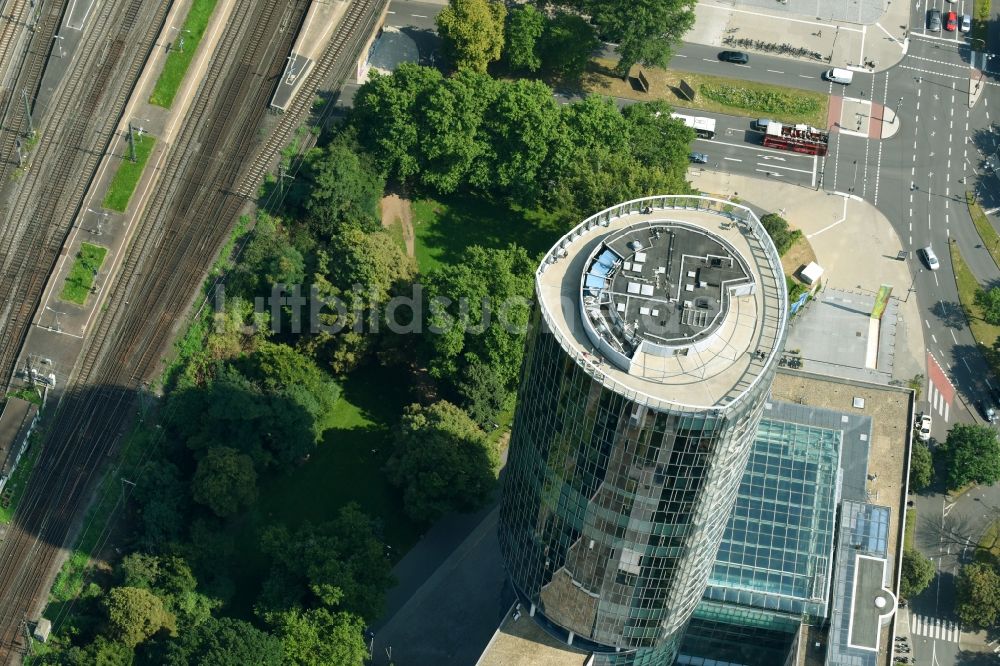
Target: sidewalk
{"points": [[854, 243], [878, 37]]}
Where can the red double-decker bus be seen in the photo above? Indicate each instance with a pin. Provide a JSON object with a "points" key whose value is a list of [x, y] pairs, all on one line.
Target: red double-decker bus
{"points": [[797, 138]]}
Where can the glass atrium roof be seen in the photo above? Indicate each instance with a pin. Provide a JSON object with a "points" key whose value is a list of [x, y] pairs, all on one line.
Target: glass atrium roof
{"points": [[777, 549]]}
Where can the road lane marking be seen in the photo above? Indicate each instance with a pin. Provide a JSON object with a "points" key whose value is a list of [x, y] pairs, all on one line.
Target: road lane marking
{"points": [[804, 76], [953, 336], [934, 338], [778, 166], [775, 71], [732, 159]]}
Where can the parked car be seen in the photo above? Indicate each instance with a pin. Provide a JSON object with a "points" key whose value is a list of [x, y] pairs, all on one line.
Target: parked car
{"points": [[760, 124], [924, 427], [986, 410], [929, 257], [699, 158], [934, 20], [966, 23], [738, 57], [951, 21]]}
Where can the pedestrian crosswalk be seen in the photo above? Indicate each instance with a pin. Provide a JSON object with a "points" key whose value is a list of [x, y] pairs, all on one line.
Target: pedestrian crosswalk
{"points": [[938, 402], [934, 627]]}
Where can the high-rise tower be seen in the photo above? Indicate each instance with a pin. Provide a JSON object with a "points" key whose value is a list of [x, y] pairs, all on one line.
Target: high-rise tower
{"points": [[649, 358]]}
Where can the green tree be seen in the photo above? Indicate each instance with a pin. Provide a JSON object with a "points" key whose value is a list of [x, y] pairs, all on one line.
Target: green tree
{"points": [[164, 502], [659, 140], [449, 118], [989, 301], [320, 637], [777, 228], [443, 462], [220, 642], [916, 574], [567, 45], [521, 130], [971, 455], [386, 117], [472, 32], [336, 564], [135, 614], [225, 481], [269, 258], [170, 578], [646, 31], [921, 466], [483, 392], [100, 652], [478, 310], [978, 593], [525, 26], [345, 190]]}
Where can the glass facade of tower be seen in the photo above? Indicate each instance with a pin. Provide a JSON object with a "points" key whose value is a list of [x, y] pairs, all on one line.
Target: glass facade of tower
{"points": [[612, 512]]}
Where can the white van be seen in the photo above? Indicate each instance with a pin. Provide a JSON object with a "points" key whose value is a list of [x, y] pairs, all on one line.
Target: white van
{"points": [[837, 75]]}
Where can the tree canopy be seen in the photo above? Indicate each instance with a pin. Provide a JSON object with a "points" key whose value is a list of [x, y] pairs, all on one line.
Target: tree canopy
{"points": [[443, 462], [321, 637], [225, 481], [345, 190], [978, 595], [472, 32], [989, 301], [567, 44], [525, 26], [921, 466], [221, 642], [971, 454], [135, 614], [339, 564], [779, 231], [646, 31], [917, 573]]}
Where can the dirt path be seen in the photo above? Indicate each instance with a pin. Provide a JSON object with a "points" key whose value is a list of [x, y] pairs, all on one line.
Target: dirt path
{"points": [[395, 207]]}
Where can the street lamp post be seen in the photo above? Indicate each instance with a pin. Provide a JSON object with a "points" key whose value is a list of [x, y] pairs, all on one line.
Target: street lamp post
{"points": [[896, 111]]}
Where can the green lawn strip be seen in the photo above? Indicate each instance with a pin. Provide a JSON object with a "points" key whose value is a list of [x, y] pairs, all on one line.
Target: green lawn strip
{"points": [[991, 239], [81, 274], [17, 482], [989, 544], [127, 177], [713, 93], [911, 528], [343, 468], [980, 21], [178, 60], [986, 334], [444, 228]]}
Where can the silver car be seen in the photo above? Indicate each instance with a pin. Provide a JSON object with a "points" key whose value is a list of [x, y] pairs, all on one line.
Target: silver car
{"points": [[966, 24], [930, 258]]}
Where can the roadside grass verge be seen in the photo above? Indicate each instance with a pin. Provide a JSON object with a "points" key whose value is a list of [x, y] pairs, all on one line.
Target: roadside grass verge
{"points": [[991, 239], [178, 60], [981, 21], [81, 275], [910, 529], [989, 545], [127, 177], [986, 334], [713, 93]]}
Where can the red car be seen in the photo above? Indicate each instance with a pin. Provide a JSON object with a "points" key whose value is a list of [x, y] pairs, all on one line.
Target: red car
{"points": [[951, 21]]}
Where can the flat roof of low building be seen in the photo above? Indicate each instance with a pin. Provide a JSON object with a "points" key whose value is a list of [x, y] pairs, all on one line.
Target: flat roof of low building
{"points": [[522, 642], [677, 301], [14, 420]]}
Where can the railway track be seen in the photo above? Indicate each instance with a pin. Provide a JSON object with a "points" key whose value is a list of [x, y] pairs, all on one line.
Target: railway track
{"points": [[185, 223], [15, 13], [68, 154]]}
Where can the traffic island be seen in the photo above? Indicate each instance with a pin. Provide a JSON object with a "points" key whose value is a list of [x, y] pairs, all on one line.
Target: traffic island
{"points": [[81, 276]]}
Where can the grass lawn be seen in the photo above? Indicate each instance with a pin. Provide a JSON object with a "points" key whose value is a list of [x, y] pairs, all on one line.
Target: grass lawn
{"points": [[991, 239], [986, 334], [342, 469], [178, 60], [443, 228], [395, 229], [81, 274], [127, 177], [794, 106]]}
